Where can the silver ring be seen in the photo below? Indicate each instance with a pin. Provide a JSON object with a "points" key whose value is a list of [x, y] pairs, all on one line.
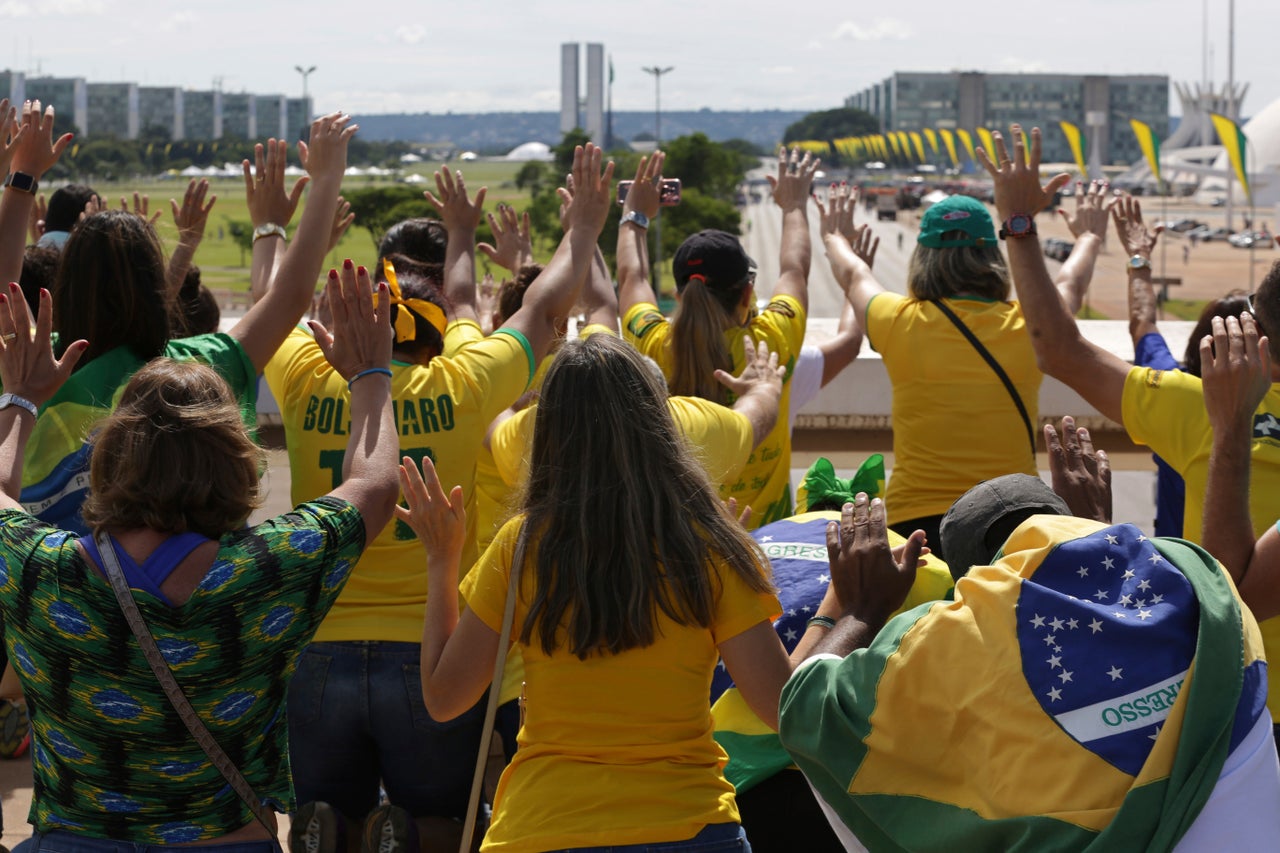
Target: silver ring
{"points": [[9, 337]]}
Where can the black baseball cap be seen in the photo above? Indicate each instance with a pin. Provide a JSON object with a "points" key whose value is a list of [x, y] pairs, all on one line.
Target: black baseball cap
{"points": [[975, 528], [717, 256]]}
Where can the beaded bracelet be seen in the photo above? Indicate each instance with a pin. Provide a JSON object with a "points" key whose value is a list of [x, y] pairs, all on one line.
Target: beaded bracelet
{"points": [[825, 621], [385, 371]]}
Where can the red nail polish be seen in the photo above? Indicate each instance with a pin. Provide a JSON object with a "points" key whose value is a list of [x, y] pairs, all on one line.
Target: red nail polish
{"points": [[347, 264], [2, 298], [333, 273], [361, 270]]}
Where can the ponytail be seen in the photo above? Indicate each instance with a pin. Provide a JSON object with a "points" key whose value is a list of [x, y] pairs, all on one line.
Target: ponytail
{"points": [[698, 347]]}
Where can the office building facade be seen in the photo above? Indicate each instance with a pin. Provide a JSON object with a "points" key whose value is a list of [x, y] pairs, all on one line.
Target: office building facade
{"points": [[297, 118], [569, 87], [68, 95], [160, 111], [239, 116], [1101, 106], [594, 117], [113, 110], [202, 114]]}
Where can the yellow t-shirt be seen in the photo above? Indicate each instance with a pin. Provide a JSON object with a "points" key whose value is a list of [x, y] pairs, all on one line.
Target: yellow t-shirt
{"points": [[441, 411], [616, 749], [1164, 409], [765, 481], [954, 424], [719, 436]]}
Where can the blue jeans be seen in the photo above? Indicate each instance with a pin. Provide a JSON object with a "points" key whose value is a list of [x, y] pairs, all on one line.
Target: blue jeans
{"points": [[69, 842], [357, 720], [714, 838]]}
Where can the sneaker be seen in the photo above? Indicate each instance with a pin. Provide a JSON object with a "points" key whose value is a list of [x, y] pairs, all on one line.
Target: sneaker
{"points": [[15, 729], [316, 828], [389, 829]]}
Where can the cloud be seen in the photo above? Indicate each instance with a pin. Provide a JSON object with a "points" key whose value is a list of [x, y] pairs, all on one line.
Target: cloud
{"points": [[52, 8], [814, 44], [179, 20], [779, 69], [411, 33], [882, 29], [1023, 66], [10, 9]]}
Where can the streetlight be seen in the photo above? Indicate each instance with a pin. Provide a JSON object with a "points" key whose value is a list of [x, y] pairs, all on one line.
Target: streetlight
{"points": [[657, 143], [305, 72]]}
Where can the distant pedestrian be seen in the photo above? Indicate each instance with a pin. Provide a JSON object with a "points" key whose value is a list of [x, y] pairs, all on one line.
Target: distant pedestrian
{"points": [[899, 241], [1186, 255]]}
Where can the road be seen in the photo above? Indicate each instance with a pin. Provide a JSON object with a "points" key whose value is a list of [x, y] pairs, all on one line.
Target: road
{"points": [[762, 236]]}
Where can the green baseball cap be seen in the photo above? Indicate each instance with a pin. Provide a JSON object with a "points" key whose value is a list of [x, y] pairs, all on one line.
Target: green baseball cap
{"points": [[957, 213]]}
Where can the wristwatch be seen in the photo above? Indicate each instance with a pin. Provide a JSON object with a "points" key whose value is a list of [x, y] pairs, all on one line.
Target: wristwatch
{"points": [[22, 181], [1139, 262], [1018, 225], [7, 400], [269, 230], [635, 217]]}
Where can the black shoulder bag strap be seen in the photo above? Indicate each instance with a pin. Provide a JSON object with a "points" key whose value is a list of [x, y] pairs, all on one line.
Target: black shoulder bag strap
{"points": [[995, 366], [229, 771]]}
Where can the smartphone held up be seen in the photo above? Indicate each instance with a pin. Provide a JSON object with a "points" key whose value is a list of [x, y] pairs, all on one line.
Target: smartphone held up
{"points": [[668, 192]]}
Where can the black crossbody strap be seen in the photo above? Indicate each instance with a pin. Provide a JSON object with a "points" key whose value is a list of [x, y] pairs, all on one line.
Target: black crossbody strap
{"points": [[995, 366], [159, 666]]}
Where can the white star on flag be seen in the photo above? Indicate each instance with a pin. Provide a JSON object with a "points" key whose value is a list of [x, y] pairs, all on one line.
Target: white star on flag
{"points": [[1073, 624], [1057, 624], [766, 538], [1156, 735], [1108, 563], [1065, 675], [1054, 694], [791, 612], [1057, 649], [791, 635], [1095, 626], [806, 609], [1118, 615], [1155, 558], [1038, 622], [1156, 599], [1128, 573], [1049, 640], [824, 579], [1114, 672], [1054, 662], [1112, 539], [1142, 538], [1126, 599], [1084, 573], [1144, 584], [1101, 595], [1144, 615]]}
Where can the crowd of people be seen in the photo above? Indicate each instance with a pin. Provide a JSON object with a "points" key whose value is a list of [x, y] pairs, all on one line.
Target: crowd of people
{"points": [[587, 541]]}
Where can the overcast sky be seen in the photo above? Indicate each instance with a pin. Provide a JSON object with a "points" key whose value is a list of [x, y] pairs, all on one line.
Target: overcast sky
{"points": [[469, 56]]}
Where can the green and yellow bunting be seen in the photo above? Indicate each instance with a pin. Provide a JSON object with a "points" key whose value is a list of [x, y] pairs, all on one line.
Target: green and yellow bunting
{"points": [[989, 145], [1076, 140], [918, 142], [932, 138], [967, 140], [949, 140], [1150, 145], [1235, 143]]}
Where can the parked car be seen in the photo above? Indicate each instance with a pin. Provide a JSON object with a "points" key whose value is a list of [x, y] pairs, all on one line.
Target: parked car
{"points": [[1207, 234], [1181, 226]]}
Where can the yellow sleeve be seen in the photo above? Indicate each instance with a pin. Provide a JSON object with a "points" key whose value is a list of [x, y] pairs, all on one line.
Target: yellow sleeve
{"points": [[296, 358], [646, 329], [596, 329], [740, 607], [721, 437], [782, 325], [882, 310], [1164, 409], [510, 443], [485, 587], [499, 369], [461, 333]]}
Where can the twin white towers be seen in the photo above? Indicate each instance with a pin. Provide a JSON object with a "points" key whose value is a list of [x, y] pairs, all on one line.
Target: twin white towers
{"points": [[571, 109]]}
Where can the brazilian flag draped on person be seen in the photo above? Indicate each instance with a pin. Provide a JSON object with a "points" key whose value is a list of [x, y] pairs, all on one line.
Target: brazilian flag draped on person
{"points": [[1081, 694]]}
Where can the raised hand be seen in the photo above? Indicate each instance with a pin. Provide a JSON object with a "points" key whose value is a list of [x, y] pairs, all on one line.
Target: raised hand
{"points": [[587, 206], [1235, 365], [1090, 214], [645, 195], [512, 245], [760, 374], [269, 200], [324, 155], [458, 212], [1017, 179], [141, 207], [439, 520], [361, 336], [1134, 235], [869, 583], [11, 129], [34, 149], [1081, 476], [192, 217], [342, 219], [27, 365], [793, 185]]}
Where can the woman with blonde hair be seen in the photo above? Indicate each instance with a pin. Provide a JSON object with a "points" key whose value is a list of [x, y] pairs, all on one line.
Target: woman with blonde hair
{"points": [[955, 347], [717, 317], [635, 581]]}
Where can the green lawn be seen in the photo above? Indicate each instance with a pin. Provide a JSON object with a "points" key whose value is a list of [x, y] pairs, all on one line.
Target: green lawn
{"points": [[221, 261], [1184, 309]]}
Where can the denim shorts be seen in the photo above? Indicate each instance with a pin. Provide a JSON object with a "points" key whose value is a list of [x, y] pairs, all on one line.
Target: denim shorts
{"points": [[69, 842], [357, 721], [713, 838]]}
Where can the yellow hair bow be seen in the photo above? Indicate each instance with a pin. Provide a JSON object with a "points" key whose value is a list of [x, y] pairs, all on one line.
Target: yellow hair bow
{"points": [[405, 327]]}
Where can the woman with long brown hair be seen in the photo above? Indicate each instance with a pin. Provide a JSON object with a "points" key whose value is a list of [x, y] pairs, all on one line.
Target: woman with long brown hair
{"points": [[635, 581]]}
